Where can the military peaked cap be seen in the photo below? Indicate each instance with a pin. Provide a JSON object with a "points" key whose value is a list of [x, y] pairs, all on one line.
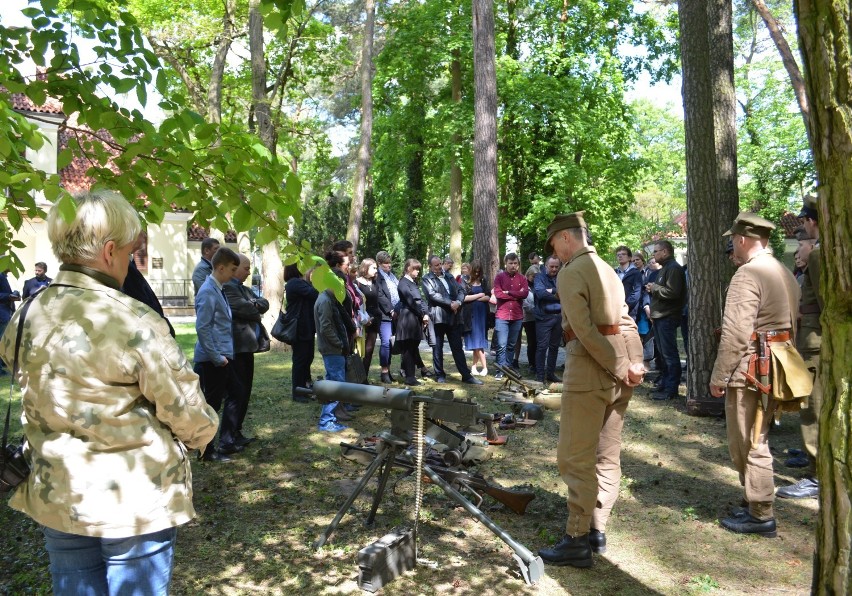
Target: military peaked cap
{"points": [[751, 225], [809, 208], [561, 222]]}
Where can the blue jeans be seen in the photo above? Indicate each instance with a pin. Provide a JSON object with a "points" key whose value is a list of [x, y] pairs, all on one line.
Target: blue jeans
{"points": [[385, 332], [134, 565], [335, 370], [506, 333], [665, 330]]}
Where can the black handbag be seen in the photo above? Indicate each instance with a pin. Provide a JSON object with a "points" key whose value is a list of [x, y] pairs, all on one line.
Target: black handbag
{"points": [[14, 468], [286, 326], [263, 343]]}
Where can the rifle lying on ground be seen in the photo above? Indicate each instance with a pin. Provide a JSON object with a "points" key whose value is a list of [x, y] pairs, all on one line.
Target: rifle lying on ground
{"points": [[409, 412], [475, 484]]}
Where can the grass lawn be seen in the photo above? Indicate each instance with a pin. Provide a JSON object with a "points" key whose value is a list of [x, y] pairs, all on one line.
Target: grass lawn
{"points": [[258, 515]]}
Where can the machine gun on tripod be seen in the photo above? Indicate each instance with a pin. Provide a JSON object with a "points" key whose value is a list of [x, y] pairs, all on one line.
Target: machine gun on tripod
{"points": [[406, 410]]}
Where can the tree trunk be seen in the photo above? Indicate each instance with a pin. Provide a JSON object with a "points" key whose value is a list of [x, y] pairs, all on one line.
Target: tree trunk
{"points": [[789, 61], [362, 168], [485, 139], [455, 170], [711, 190], [825, 43], [272, 266], [217, 71]]}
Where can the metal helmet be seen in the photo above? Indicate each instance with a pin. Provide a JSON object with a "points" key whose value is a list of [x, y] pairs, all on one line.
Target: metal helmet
{"points": [[532, 412]]}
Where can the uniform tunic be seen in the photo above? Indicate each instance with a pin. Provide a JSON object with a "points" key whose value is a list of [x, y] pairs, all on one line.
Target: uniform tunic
{"points": [[593, 399], [109, 401], [763, 296]]}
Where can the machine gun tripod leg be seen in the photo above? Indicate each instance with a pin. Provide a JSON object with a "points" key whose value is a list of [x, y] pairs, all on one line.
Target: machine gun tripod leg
{"points": [[390, 449]]}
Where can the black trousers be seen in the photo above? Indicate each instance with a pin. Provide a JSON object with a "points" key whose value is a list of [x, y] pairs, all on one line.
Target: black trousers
{"points": [[224, 392], [454, 337], [244, 367], [303, 357], [409, 350]]}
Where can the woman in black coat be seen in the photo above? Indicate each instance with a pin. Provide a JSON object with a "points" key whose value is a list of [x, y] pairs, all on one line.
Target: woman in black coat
{"points": [[301, 295], [412, 316]]}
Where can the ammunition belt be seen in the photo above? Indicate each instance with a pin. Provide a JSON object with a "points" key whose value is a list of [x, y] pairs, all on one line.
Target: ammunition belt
{"points": [[778, 335], [809, 309], [569, 334]]}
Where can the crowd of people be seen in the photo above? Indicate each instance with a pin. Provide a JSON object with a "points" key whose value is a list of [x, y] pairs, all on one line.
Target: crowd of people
{"points": [[111, 404]]}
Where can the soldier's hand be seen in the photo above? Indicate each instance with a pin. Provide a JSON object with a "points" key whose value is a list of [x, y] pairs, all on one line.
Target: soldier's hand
{"points": [[635, 374], [717, 391]]}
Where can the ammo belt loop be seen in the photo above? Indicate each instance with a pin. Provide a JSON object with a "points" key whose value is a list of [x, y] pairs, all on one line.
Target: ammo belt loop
{"points": [[569, 334]]}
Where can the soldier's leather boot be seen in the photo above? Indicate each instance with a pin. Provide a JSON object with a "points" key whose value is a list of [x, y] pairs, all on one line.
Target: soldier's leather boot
{"points": [[570, 550], [597, 540], [746, 524]]}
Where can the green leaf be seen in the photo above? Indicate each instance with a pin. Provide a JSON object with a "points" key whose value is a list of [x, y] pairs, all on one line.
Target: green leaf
{"points": [[293, 186], [243, 218], [123, 85], [265, 236], [64, 158], [323, 278]]}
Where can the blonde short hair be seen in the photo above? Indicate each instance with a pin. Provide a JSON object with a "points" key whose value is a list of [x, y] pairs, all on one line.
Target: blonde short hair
{"points": [[101, 216]]}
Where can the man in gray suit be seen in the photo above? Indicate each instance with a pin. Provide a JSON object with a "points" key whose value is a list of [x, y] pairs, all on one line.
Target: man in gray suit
{"points": [[445, 297], [246, 311]]}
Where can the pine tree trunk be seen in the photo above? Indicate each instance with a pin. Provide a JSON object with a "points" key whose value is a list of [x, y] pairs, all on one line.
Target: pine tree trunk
{"points": [[485, 139], [707, 55], [362, 167], [826, 46]]}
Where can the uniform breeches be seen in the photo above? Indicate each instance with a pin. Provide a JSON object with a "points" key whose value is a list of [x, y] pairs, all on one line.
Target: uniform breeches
{"points": [[589, 454], [753, 465], [810, 412]]}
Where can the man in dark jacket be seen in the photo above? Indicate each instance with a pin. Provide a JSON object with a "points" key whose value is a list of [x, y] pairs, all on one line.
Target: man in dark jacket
{"points": [[36, 284], [668, 293], [548, 321], [631, 278], [246, 311], [445, 297]]}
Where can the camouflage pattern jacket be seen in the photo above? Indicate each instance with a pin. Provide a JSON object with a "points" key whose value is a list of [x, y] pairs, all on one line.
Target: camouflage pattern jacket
{"points": [[109, 404]]}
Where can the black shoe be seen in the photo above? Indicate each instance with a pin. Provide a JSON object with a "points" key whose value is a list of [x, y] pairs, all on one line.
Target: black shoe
{"points": [[230, 449], [664, 396], [386, 378], [412, 382], [301, 399], [798, 461], [746, 524], [427, 372], [341, 414], [441, 380], [540, 379], [551, 377], [471, 380], [498, 376], [805, 488], [574, 551], [215, 456], [244, 441], [597, 540]]}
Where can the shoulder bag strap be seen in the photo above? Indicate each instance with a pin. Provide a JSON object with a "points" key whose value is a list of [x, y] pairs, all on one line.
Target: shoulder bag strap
{"points": [[21, 320]]}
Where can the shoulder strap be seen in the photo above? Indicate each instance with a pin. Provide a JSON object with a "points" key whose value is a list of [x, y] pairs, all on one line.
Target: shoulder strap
{"points": [[14, 374]]}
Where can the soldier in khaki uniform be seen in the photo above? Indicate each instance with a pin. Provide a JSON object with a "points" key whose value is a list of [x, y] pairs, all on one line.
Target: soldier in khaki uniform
{"points": [[763, 296], [809, 342], [603, 364]]}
